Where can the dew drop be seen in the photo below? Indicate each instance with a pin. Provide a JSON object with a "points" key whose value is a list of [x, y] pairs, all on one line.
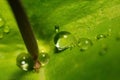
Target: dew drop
{"points": [[25, 62], [6, 29], [44, 58], [63, 40], [1, 22], [101, 36], [84, 44]]}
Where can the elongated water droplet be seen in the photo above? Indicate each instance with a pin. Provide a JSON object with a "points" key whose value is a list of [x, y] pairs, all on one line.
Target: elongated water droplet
{"points": [[84, 44], [6, 29], [25, 62], [1, 22], [101, 36], [44, 58], [63, 40]]}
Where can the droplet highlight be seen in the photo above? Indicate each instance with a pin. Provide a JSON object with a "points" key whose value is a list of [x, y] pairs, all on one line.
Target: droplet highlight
{"points": [[63, 40], [100, 36], [25, 62], [44, 58], [84, 44]]}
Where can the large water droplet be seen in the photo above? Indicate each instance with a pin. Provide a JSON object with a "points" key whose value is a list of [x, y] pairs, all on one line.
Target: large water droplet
{"points": [[101, 36], [1, 22], [6, 29], [25, 62], [63, 40], [44, 58], [84, 43]]}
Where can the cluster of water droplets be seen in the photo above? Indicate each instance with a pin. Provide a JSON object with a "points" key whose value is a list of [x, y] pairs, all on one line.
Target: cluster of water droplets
{"points": [[26, 63], [64, 40], [4, 29]]}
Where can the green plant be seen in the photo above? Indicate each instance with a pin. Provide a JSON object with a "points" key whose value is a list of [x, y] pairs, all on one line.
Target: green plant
{"points": [[84, 19]]}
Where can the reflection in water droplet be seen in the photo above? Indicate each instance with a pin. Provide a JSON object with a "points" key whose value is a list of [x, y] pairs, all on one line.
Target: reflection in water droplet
{"points": [[101, 36], [1, 22], [56, 28], [103, 51], [44, 58], [84, 44], [6, 29], [63, 40], [25, 62]]}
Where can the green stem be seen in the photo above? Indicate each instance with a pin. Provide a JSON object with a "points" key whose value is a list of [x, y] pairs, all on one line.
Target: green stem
{"points": [[25, 29]]}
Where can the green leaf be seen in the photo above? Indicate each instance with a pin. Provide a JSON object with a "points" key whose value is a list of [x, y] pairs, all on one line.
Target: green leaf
{"points": [[83, 19]]}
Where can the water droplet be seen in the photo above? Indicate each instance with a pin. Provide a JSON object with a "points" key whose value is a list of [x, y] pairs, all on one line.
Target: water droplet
{"points": [[6, 29], [63, 40], [25, 62], [84, 43], [57, 28], [1, 22], [103, 51], [101, 36], [44, 58]]}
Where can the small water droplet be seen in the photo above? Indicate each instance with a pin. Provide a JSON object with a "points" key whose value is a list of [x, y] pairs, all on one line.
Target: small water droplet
{"points": [[84, 44], [25, 62], [103, 51], [6, 29], [44, 58], [101, 36], [63, 40], [1, 22], [56, 28]]}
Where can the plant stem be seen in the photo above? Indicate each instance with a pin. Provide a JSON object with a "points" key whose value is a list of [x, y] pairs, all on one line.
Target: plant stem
{"points": [[25, 29]]}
